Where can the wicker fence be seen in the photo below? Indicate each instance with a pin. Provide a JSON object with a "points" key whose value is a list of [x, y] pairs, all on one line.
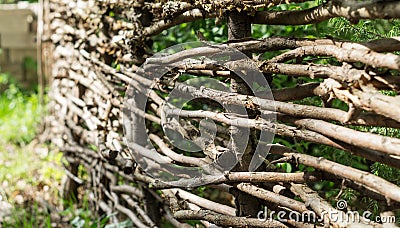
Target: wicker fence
{"points": [[99, 90]]}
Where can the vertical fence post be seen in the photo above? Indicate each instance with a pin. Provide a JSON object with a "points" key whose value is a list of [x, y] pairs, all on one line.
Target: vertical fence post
{"points": [[239, 26]]}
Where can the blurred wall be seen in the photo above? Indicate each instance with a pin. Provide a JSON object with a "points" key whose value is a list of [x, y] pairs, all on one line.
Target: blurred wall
{"points": [[18, 23]]}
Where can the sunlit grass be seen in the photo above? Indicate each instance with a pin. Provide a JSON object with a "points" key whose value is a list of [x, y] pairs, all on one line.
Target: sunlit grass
{"points": [[19, 113], [30, 174]]}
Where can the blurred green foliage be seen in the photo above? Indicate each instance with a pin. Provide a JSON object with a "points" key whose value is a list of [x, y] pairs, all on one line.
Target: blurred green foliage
{"points": [[16, 1], [19, 111]]}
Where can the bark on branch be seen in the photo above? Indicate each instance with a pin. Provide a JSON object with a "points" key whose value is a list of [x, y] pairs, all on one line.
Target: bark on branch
{"points": [[351, 10]]}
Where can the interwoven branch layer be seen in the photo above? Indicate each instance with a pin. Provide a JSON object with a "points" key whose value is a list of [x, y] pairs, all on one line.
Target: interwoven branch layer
{"points": [[96, 48]]}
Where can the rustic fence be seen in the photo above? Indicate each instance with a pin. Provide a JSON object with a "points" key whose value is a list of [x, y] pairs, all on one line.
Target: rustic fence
{"points": [[98, 90]]}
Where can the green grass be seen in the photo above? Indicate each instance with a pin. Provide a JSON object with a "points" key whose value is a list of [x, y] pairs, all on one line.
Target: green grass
{"points": [[30, 173], [19, 113]]}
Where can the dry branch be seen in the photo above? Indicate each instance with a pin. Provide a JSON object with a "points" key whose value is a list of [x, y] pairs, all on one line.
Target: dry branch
{"points": [[225, 220], [351, 10], [362, 139], [253, 177], [188, 16], [204, 203], [370, 58], [380, 185], [269, 196]]}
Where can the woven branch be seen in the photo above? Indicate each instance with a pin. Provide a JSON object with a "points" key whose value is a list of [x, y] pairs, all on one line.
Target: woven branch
{"points": [[96, 48]]}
